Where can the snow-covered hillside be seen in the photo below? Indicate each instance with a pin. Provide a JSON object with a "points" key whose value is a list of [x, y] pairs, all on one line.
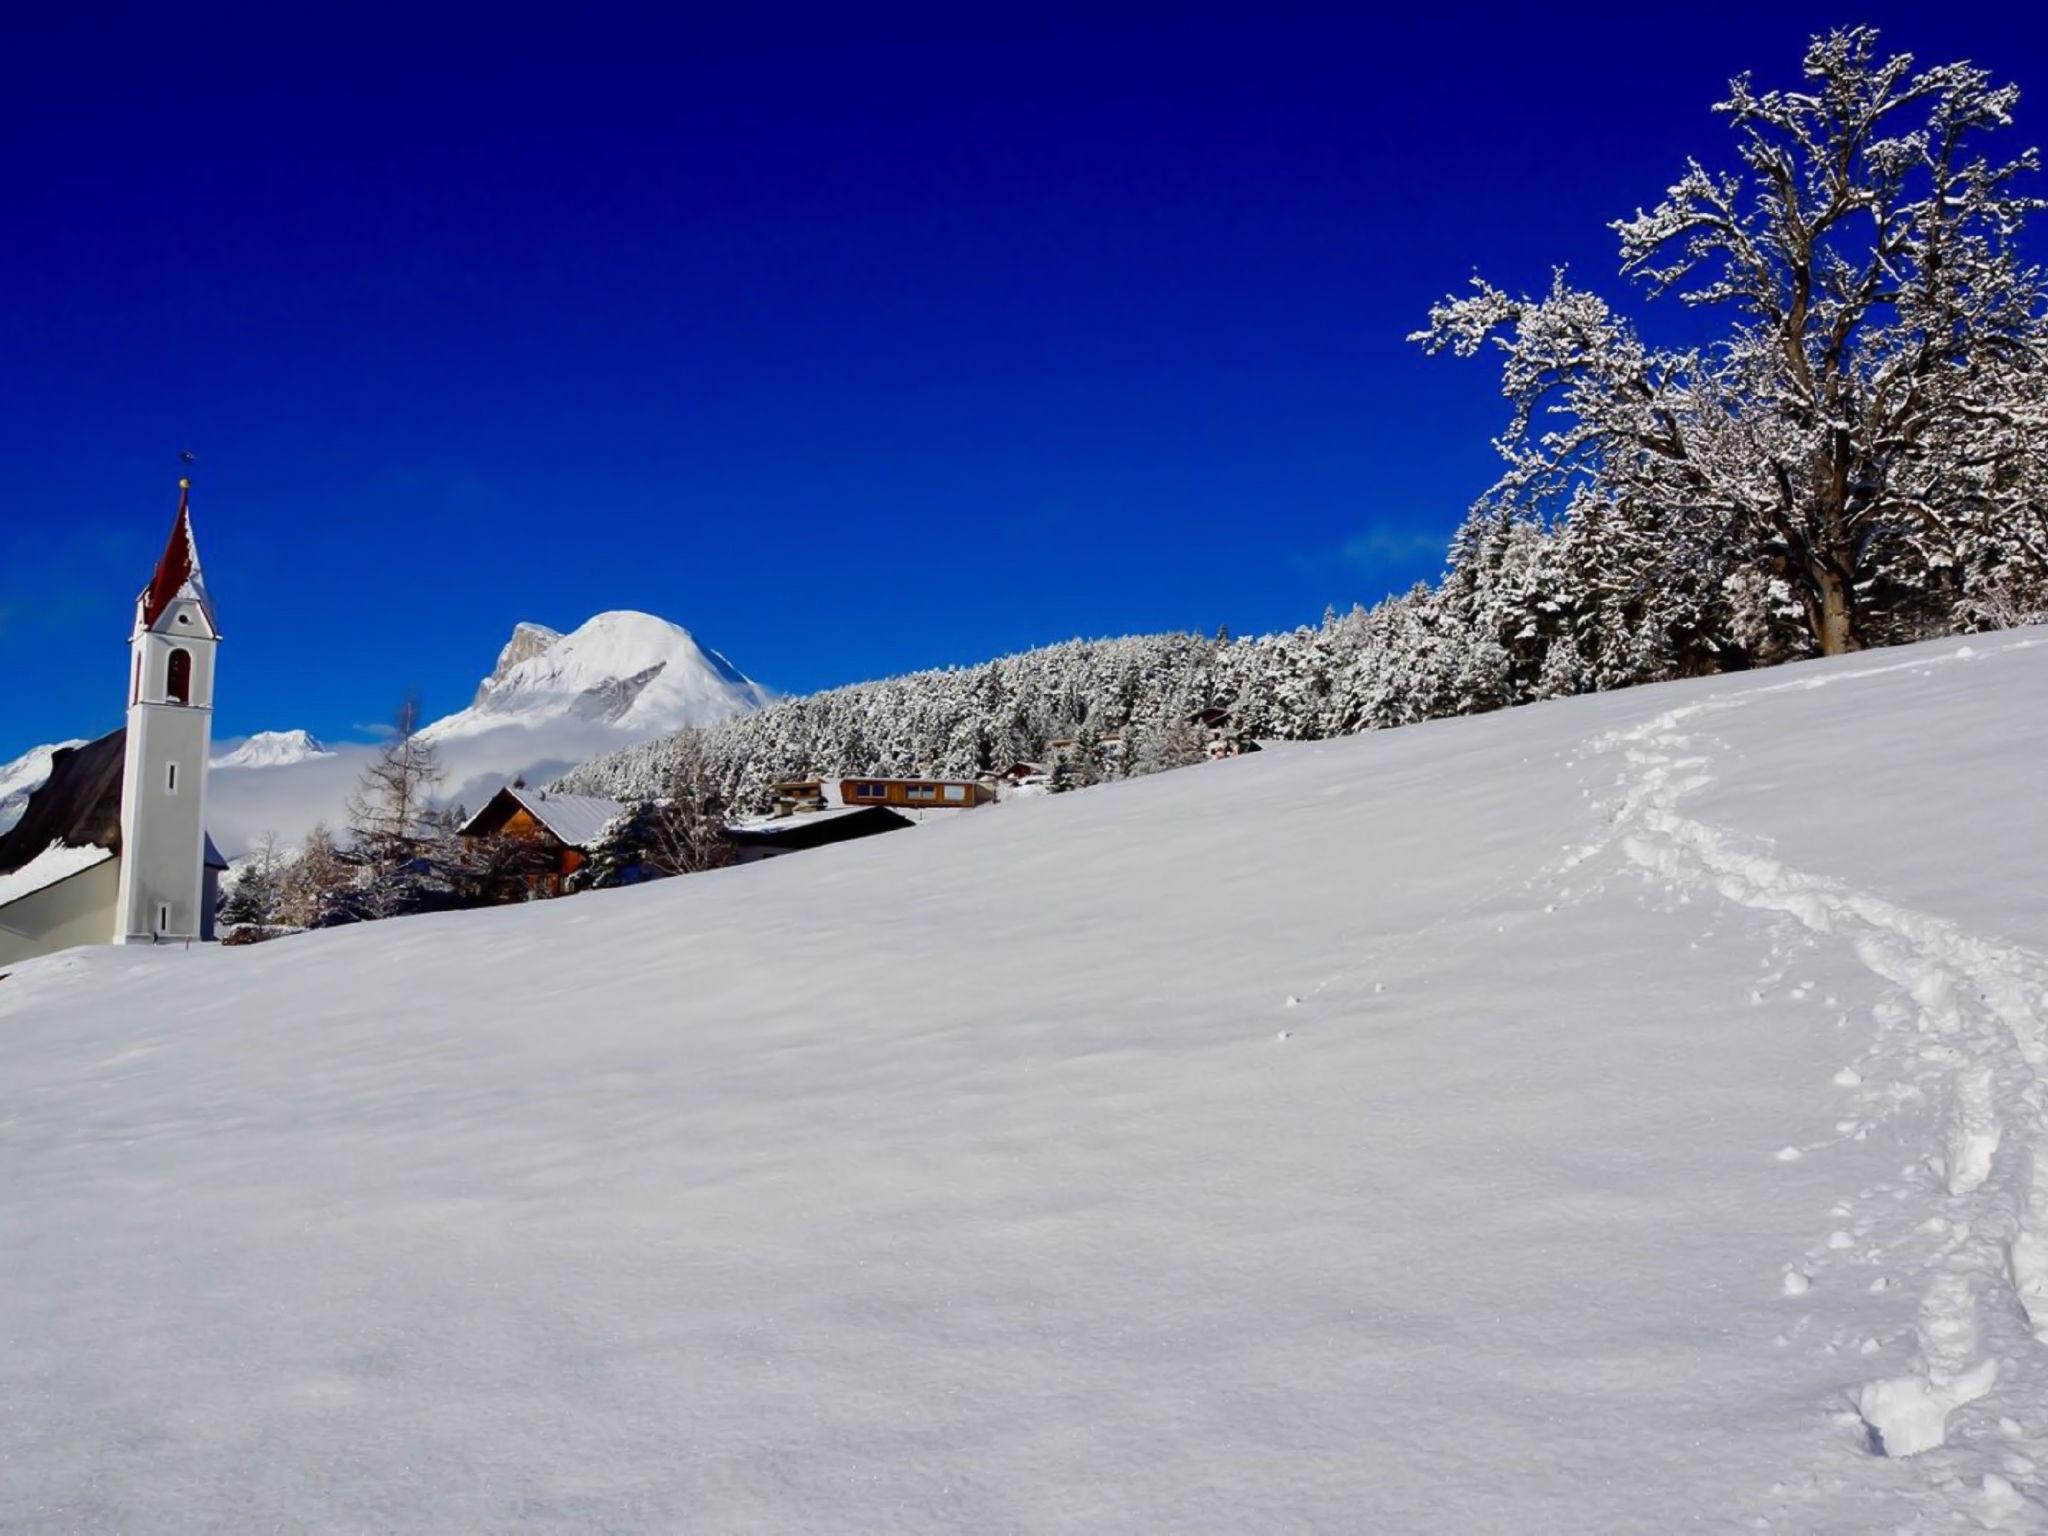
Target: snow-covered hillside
{"points": [[19, 779], [551, 702], [1622, 1114]]}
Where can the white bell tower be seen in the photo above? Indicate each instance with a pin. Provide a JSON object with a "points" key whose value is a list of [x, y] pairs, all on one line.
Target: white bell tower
{"points": [[170, 730]]}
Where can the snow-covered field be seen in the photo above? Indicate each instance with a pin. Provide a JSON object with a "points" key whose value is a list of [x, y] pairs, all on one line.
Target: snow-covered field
{"points": [[1614, 1115]]}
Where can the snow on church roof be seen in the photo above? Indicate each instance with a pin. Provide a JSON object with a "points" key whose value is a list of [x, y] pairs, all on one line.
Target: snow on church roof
{"points": [[54, 863], [177, 572]]}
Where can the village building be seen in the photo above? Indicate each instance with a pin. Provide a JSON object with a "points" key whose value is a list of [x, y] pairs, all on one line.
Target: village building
{"points": [[112, 847], [917, 794], [799, 795], [558, 829], [808, 813], [1221, 734], [769, 837]]}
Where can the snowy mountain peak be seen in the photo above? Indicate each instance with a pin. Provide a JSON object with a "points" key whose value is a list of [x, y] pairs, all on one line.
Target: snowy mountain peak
{"points": [[272, 749], [528, 641], [625, 669]]}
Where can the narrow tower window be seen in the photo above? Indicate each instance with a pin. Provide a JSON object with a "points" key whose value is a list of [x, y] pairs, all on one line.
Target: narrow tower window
{"points": [[178, 678], [163, 917], [171, 777]]}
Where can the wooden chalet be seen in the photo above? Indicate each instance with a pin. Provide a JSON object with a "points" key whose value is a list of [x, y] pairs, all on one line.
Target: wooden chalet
{"points": [[1220, 731], [560, 829], [799, 795], [916, 794]]}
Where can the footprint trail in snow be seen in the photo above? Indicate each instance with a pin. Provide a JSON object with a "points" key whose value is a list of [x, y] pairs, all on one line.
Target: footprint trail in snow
{"points": [[1960, 1025]]}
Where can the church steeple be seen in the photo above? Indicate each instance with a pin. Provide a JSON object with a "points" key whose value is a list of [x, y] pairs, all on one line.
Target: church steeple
{"points": [[178, 572], [163, 775]]}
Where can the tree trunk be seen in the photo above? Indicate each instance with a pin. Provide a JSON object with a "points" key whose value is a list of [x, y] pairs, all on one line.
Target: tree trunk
{"points": [[1834, 613]]}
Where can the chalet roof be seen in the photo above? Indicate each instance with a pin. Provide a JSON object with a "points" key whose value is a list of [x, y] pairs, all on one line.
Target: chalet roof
{"points": [[177, 570], [575, 819], [781, 826], [77, 807], [814, 829]]}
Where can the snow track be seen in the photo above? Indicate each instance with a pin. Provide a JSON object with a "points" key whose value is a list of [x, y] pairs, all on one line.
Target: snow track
{"points": [[1959, 1029]]}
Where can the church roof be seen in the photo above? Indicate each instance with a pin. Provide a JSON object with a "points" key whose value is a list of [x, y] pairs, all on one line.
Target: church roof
{"points": [[177, 572], [77, 806]]}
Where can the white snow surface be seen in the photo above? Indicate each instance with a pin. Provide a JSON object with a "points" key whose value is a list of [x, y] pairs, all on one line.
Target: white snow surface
{"points": [[271, 749], [59, 861], [1621, 1114], [20, 778]]}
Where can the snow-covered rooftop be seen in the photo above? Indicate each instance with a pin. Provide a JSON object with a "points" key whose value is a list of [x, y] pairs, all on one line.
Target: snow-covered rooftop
{"points": [[575, 819], [57, 862], [798, 820]]}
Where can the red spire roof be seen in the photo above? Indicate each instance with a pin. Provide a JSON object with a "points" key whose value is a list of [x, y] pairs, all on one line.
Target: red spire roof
{"points": [[179, 567]]}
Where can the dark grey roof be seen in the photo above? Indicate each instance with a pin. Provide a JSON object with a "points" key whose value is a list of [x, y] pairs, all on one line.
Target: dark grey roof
{"points": [[817, 828], [78, 805]]}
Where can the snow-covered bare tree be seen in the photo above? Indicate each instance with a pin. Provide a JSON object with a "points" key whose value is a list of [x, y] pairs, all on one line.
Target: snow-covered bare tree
{"points": [[1866, 429], [313, 889], [392, 798], [685, 827]]}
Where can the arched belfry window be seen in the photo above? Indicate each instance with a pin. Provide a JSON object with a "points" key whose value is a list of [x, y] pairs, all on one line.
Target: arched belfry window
{"points": [[178, 678]]}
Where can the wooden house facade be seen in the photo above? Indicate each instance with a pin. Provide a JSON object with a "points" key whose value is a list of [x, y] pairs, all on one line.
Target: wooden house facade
{"points": [[916, 794], [559, 829]]}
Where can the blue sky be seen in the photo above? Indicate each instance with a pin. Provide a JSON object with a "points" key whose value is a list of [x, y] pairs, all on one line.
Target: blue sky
{"points": [[855, 345]]}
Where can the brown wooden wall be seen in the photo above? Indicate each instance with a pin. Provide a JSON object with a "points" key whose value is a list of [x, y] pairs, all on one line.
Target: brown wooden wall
{"points": [[907, 794]]}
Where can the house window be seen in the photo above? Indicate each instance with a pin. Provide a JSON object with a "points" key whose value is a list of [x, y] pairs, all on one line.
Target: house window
{"points": [[870, 791], [922, 792], [170, 778], [178, 678], [956, 792]]}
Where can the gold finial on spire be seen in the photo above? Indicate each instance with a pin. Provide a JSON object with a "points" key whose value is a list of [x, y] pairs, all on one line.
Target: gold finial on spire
{"points": [[187, 457]]}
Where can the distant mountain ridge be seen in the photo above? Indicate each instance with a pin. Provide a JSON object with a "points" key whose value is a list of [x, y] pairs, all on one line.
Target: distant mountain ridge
{"points": [[272, 749]]}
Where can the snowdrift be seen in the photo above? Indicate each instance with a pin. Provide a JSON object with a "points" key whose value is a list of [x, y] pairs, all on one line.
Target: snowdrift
{"points": [[1618, 1114]]}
